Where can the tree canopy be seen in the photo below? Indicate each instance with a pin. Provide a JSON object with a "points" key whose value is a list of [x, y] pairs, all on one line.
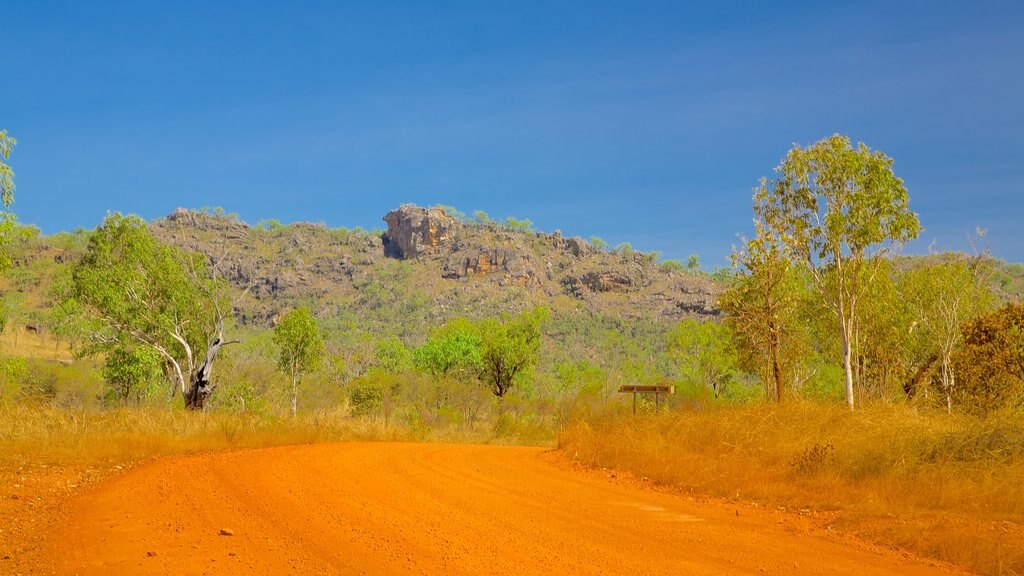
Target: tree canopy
{"points": [[836, 209], [300, 346], [132, 286]]}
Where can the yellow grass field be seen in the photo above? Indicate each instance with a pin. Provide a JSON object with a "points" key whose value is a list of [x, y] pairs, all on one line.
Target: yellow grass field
{"points": [[947, 487]]}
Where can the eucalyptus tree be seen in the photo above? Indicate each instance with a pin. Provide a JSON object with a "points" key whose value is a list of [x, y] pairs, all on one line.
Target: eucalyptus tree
{"points": [[132, 287], [452, 350], [301, 347], [942, 297], [838, 210], [762, 307], [705, 354], [10, 230]]}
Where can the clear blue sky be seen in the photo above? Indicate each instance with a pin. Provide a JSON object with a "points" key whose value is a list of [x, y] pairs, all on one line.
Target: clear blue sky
{"points": [[647, 122]]}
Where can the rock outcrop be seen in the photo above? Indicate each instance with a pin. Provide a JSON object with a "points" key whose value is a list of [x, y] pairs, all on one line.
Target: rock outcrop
{"points": [[451, 267], [414, 231]]}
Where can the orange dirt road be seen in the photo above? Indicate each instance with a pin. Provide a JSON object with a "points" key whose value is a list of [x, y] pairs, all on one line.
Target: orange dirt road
{"points": [[381, 508]]}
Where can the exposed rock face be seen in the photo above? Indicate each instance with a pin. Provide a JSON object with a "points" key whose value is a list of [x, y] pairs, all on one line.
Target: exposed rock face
{"points": [[454, 265], [480, 261], [414, 231]]}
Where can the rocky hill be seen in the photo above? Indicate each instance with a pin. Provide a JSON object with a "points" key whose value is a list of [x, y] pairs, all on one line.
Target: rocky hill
{"points": [[429, 266]]}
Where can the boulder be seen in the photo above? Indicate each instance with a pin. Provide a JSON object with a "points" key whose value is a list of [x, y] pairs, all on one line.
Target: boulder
{"points": [[414, 231]]}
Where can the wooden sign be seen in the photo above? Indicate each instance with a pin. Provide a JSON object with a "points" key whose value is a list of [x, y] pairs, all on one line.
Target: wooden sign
{"points": [[656, 389]]}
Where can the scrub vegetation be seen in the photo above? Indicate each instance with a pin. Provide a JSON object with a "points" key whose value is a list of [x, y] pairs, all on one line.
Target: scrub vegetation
{"points": [[882, 394]]}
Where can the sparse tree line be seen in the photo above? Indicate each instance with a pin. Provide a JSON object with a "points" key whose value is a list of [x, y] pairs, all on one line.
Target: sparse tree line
{"points": [[818, 306], [818, 286]]}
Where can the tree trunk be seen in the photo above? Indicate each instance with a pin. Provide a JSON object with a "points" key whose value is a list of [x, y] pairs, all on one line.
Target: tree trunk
{"points": [[200, 388], [295, 395], [777, 373], [847, 366]]}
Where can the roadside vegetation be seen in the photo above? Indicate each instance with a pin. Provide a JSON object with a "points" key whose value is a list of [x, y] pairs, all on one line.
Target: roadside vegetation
{"points": [[883, 394]]}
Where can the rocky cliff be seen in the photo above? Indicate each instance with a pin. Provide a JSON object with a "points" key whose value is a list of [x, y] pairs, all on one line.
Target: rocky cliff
{"points": [[429, 266]]}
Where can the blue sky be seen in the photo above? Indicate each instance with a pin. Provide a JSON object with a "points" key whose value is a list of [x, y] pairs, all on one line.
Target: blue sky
{"points": [[647, 122]]}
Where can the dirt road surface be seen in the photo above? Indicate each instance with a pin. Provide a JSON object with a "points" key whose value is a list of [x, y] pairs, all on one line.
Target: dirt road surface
{"points": [[382, 508]]}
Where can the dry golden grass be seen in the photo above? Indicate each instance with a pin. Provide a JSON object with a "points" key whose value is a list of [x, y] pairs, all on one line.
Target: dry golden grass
{"points": [[17, 341], [947, 487], [43, 433]]}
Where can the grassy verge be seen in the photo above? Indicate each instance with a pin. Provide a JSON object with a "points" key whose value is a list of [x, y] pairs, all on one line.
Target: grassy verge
{"points": [[44, 433], [946, 487]]}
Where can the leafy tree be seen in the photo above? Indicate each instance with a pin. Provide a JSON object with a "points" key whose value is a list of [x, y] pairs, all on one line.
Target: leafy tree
{"points": [[481, 217], [128, 368], [704, 354], [509, 348], [693, 262], [270, 225], [6, 174], [941, 297], [523, 225], [991, 360], [839, 208], [453, 350], [672, 266], [599, 243], [10, 230], [763, 306], [300, 345], [392, 356], [133, 287], [880, 336]]}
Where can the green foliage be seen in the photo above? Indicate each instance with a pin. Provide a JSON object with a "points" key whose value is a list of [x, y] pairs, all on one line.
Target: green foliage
{"points": [[836, 208], [940, 297], [129, 286], [391, 355], [762, 307], [10, 231], [598, 243], [454, 350], [375, 394], [693, 262], [131, 371], [6, 174], [509, 348], [300, 345], [625, 249], [672, 266], [270, 225], [453, 212], [481, 217], [524, 225], [705, 355], [365, 397]]}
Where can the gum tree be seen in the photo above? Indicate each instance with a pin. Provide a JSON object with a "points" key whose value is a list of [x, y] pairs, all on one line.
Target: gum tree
{"points": [[10, 230], [838, 209], [132, 287], [301, 347], [762, 307], [942, 297], [509, 348]]}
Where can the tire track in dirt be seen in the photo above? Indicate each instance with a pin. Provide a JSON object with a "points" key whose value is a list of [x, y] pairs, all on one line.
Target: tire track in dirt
{"points": [[382, 508]]}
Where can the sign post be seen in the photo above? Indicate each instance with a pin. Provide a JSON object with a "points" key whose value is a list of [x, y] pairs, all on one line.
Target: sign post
{"points": [[657, 389]]}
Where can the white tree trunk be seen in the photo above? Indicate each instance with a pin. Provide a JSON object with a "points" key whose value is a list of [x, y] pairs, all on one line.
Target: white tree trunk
{"points": [[847, 364], [295, 396]]}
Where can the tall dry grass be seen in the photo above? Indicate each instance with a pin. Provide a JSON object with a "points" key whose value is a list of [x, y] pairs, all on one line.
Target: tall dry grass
{"points": [[44, 433], [947, 487]]}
